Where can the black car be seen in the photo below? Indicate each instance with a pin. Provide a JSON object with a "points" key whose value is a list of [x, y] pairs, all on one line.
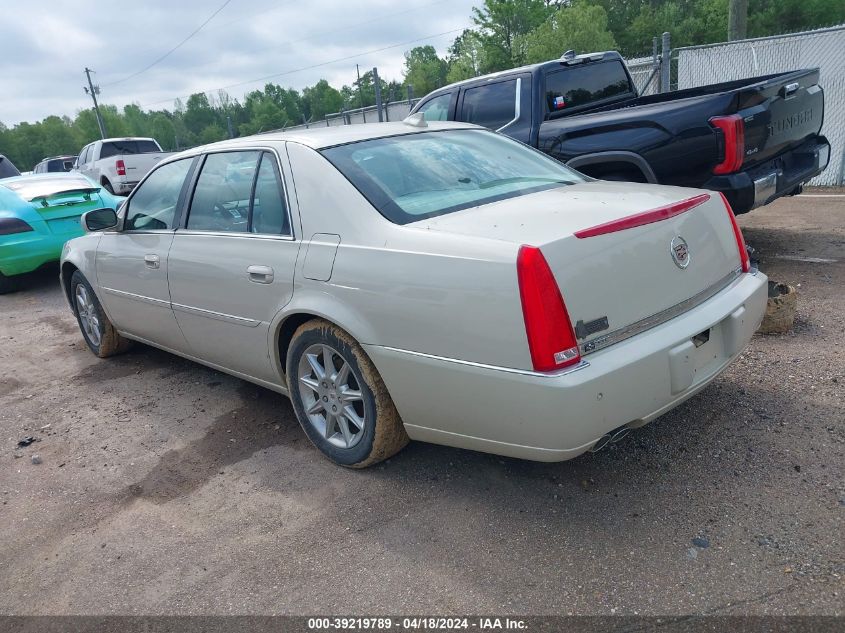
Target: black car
{"points": [[54, 164]]}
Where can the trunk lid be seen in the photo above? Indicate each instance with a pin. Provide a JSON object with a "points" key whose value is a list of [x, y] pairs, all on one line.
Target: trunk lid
{"points": [[624, 279]]}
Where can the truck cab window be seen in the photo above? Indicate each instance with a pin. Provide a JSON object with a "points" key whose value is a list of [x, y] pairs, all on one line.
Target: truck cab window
{"points": [[491, 105], [437, 109], [570, 88]]}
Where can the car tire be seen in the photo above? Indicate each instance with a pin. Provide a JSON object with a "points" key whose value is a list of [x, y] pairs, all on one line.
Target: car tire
{"points": [[339, 398], [97, 330], [108, 187], [8, 284]]}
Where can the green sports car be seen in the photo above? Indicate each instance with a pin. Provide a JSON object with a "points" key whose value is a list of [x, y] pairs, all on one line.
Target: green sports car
{"points": [[38, 214]]}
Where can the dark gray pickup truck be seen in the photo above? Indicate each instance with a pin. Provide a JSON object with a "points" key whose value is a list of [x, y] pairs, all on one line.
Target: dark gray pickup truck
{"points": [[753, 139]]}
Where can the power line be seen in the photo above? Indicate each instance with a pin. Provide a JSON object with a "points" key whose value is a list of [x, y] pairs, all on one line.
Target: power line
{"points": [[321, 64], [172, 50], [324, 33]]}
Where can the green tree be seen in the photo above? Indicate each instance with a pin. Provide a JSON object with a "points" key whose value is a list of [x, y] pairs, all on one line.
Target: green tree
{"points": [[321, 99], [500, 24], [580, 27], [464, 57], [424, 70], [198, 113]]}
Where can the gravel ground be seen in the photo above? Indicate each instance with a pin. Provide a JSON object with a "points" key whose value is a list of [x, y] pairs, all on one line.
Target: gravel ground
{"points": [[168, 488]]}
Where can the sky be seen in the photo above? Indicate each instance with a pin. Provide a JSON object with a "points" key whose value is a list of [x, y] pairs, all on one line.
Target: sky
{"points": [[45, 47]]}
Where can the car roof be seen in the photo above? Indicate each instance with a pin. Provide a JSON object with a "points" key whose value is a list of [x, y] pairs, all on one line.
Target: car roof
{"points": [[322, 137], [126, 138], [63, 157], [552, 63]]}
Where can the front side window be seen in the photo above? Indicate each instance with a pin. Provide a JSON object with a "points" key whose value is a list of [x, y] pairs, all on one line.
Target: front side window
{"points": [[416, 176], [222, 196], [153, 203], [582, 85], [492, 105], [437, 109]]}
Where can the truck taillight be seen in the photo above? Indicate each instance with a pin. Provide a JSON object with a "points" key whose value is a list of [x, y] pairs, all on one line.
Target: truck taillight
{"points": [[740, 241], [733, 132], [551, 339], [120, 166]]}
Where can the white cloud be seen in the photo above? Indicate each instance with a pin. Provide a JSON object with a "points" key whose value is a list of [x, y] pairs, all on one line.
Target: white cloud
{"points": [[44, 49]]}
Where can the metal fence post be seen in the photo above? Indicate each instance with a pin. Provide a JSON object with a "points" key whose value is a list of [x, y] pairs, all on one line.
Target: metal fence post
{"points": [[377, 84], [665, 64]]}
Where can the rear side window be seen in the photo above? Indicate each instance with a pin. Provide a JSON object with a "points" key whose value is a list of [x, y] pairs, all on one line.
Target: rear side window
{"points": [[113, 148], [581, 85], [492, 105], [269, 211], [152, 206], [437, 109]]}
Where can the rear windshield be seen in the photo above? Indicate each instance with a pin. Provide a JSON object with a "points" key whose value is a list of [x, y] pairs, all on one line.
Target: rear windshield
{"points": [[112, 148], [60, 164], [417, 176], [578, 86]]}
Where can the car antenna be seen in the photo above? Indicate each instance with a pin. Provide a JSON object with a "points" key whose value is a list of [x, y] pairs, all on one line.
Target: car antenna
{"points": [[570, 54], [415, 120]]}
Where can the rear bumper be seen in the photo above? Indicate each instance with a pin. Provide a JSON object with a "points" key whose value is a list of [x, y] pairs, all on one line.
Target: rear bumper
{"points": [[781, 176], [556, 417], [123, 188]]}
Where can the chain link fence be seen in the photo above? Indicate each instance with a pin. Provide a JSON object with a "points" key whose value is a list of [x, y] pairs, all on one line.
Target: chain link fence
{"points": [[823, 48]]}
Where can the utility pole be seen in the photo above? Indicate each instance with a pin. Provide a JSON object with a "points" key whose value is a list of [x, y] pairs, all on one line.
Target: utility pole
{"points": [[737, 20], [378, 94], [360, 93], [94, 91]]}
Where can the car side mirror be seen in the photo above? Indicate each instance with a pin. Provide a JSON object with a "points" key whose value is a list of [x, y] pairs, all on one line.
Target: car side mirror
{"points": [[99, 219]]}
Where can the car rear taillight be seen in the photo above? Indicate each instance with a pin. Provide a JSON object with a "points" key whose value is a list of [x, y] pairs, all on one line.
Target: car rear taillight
{"points": [[120, 166], [733, 132], [740, 241], [10, 226], [551, 339]]}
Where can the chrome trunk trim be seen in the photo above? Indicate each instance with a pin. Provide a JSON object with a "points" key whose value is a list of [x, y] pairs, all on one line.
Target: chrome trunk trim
{"points": [[616, 336]]}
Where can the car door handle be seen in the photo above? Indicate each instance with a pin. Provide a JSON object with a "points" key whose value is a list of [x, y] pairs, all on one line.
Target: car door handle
{"points": [[152, 261], [260, 274]]}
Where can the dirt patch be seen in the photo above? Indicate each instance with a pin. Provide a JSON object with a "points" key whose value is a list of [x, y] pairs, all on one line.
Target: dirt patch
{"points": [[142, 360], [264, 421], [65, 324]]}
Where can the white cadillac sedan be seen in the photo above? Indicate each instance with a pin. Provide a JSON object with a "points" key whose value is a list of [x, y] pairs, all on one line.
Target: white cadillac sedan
{"points": [[436, 282]]}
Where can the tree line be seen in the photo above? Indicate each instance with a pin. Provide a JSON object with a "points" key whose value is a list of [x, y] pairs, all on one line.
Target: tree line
{"points": [[506, 33]]}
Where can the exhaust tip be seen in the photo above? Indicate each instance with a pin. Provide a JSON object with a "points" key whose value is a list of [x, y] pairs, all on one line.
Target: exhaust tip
{"points": [[614, 436]]}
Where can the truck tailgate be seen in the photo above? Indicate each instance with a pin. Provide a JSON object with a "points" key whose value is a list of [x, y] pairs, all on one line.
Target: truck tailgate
{"points": [[780, 114]]}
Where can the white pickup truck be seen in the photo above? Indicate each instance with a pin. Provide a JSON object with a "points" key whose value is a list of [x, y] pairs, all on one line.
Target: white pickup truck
{"points": [[118, 164]]}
